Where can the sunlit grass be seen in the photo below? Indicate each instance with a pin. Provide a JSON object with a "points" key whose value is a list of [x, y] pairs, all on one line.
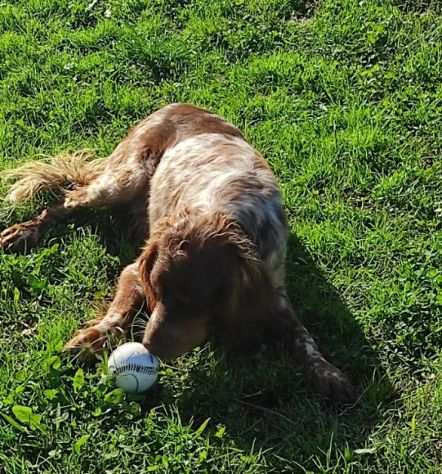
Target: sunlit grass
{"points": [[344, 100]]}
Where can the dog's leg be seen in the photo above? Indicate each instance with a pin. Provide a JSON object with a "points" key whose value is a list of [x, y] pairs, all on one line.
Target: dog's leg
{"points": [[128, 300], [27, 234], [286, 326], [325, 377], [118, 184]]}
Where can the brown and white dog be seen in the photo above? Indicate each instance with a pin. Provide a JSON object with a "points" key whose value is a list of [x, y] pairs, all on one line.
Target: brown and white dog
{"points": [[208, 208]]}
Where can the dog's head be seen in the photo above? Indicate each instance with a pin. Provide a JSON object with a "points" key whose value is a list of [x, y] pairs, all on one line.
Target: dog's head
{"points": [[193, 270]]}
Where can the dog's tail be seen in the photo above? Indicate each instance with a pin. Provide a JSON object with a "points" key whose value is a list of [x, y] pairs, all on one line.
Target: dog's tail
{"points": [[60, 173]]}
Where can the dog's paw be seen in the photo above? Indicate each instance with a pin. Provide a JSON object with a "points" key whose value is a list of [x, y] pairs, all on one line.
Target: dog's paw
{"points": [[89, 339], [331, 382], [20, 236]]}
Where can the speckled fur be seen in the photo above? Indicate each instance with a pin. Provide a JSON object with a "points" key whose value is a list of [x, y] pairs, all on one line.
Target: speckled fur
{"points": [[206, 209]]}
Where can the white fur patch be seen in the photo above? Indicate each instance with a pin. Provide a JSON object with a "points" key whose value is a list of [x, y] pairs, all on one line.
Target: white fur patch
{"points": [[202, 171]]}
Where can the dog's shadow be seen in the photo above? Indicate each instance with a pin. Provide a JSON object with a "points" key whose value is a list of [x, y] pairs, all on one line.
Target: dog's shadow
{"points": [[263, 403]]}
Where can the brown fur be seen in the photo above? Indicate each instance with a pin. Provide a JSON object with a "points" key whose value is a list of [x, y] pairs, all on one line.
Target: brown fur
{"points": [[180, 259], [209, 211], [36, 176]]}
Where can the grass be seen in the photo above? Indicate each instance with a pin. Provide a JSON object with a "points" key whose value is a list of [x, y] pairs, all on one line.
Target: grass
{"points": [[344, 99]]}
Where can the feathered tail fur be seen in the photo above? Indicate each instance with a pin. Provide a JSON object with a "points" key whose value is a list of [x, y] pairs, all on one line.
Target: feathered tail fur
{"points": [[60, 173]]}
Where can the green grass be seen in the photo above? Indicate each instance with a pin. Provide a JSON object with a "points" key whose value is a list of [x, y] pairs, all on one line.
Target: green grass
{"points": [[344, 98]]}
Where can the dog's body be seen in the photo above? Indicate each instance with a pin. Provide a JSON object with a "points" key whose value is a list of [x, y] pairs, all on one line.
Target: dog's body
{"points": [[208, 208]]}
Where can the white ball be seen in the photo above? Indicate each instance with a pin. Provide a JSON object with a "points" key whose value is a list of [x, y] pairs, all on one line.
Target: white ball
{"points": [[134, 367]]}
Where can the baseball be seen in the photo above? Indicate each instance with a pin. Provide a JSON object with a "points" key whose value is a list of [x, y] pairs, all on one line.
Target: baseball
{"points": [[135, 369]]}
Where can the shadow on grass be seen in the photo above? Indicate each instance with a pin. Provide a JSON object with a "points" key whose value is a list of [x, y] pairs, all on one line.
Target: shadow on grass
{"points": [[263, 401]]}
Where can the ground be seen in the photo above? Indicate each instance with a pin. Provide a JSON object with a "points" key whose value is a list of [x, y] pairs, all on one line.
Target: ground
{"points": [[344, 99]]}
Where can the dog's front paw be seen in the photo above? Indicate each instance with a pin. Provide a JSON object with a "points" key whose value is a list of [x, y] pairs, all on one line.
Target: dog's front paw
{"points": [[330, 382], [89, 339], [20, 236]]}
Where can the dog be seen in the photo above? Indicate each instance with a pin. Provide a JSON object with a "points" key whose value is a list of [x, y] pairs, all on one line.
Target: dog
{"points": [[207, 207]]}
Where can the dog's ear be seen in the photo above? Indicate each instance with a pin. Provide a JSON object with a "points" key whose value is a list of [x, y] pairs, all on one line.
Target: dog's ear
{"points": [[249, 305], [147, 261], [245, 324]]}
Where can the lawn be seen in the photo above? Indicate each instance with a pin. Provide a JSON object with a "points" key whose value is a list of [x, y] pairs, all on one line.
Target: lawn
{"points": [[344, 98]]}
